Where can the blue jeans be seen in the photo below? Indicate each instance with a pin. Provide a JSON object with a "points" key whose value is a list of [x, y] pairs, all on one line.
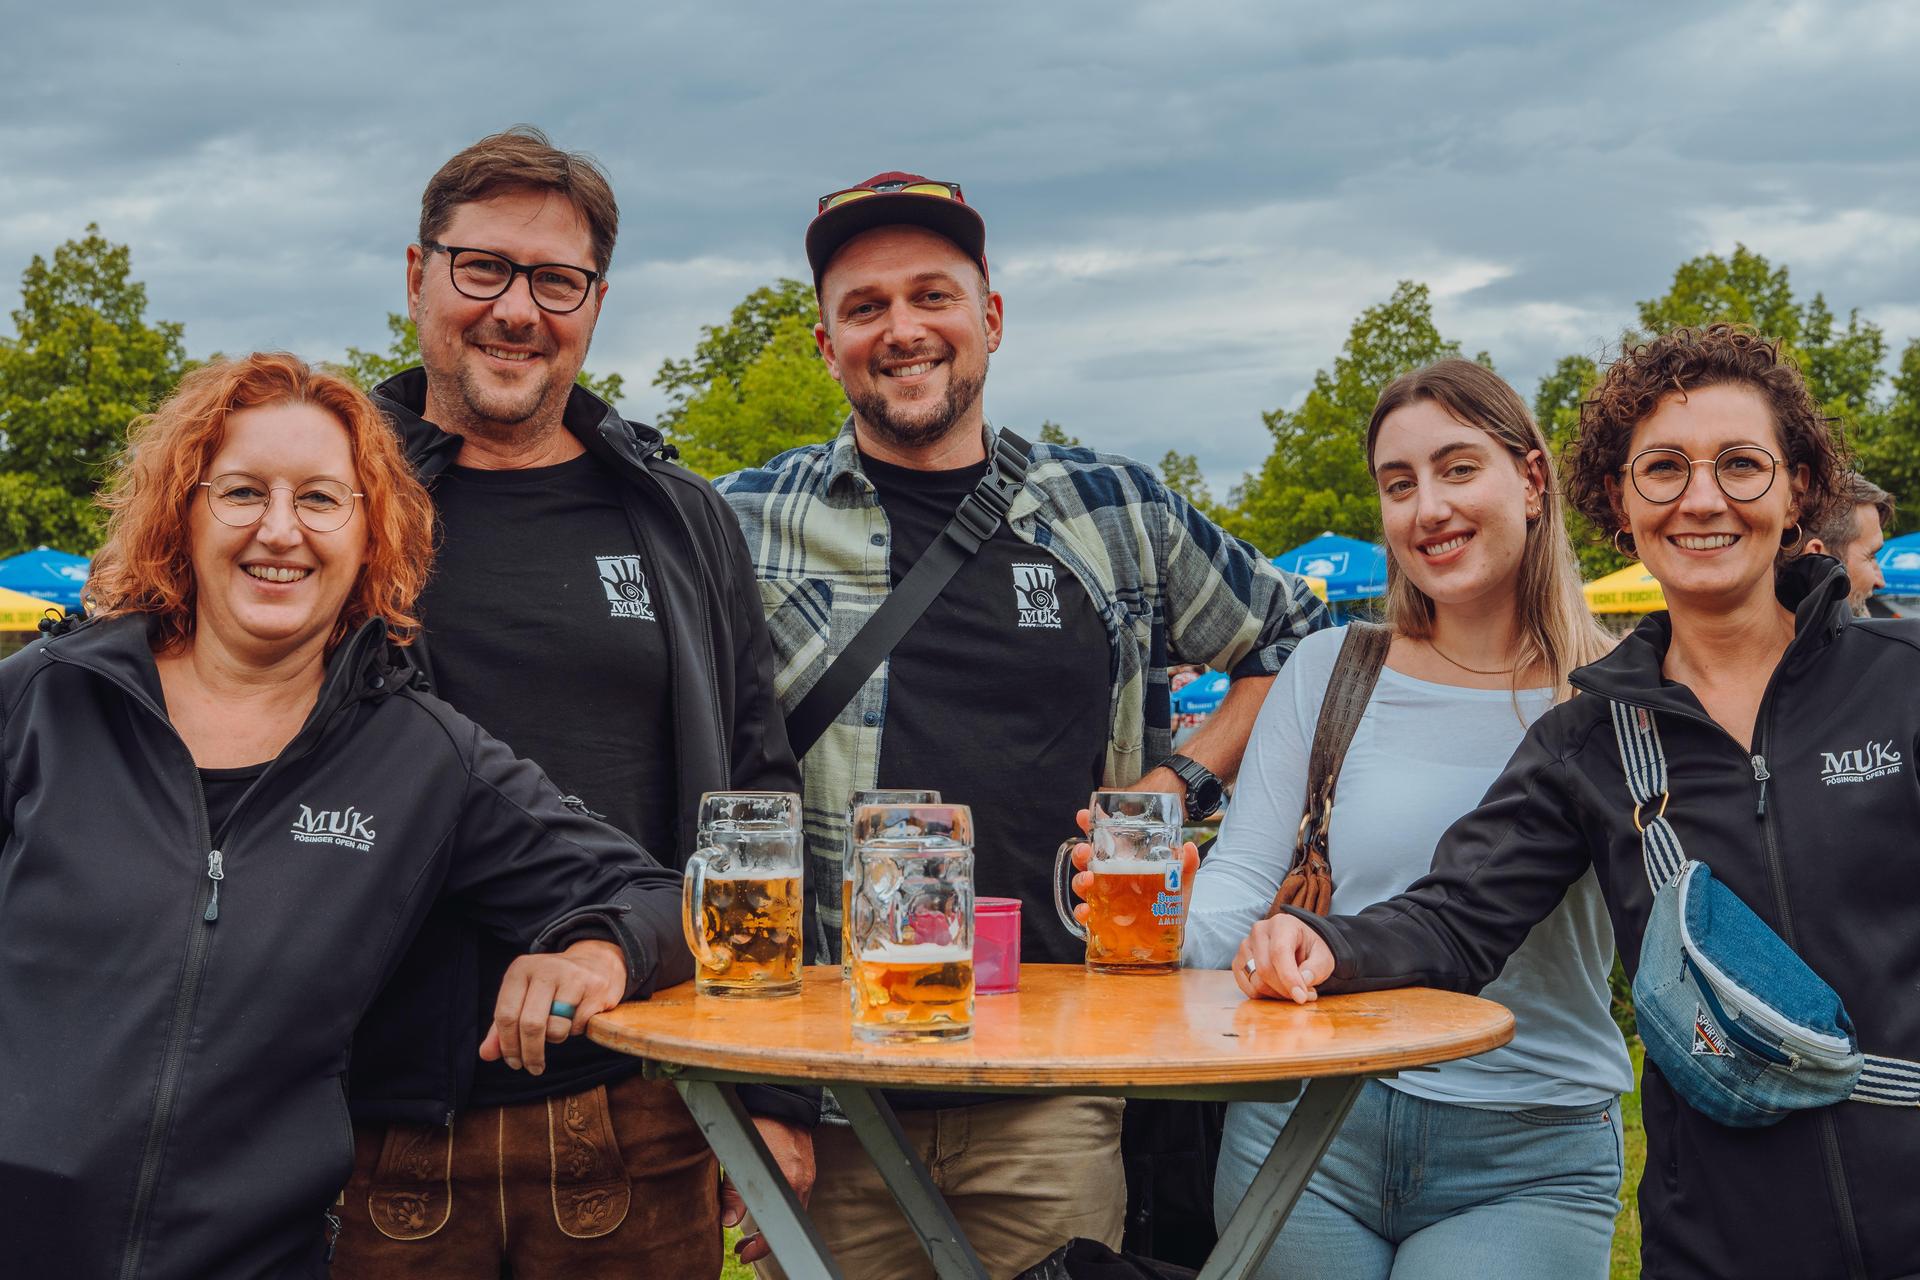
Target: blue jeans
{"points": [[1419, 1190]]}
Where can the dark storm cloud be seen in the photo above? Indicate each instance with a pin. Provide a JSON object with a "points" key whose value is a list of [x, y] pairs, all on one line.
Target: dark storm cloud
{"points": [[1187, 203]]}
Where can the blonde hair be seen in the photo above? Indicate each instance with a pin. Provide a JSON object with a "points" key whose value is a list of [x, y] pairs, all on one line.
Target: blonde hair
{"points": [[1556, 631]]}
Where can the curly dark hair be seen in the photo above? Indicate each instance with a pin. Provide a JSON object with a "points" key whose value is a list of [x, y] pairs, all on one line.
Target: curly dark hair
{"points": [[1688, 359]]}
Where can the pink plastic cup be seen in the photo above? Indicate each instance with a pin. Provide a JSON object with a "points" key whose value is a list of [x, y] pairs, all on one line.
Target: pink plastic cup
{"points": [[996, 946]]}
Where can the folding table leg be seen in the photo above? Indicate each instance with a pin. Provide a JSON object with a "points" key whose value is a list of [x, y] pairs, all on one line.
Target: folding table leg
{"points": [[1309, 1131], [776, 1210], [879, 1132]]}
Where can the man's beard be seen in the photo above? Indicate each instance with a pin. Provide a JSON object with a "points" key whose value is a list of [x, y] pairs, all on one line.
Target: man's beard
{"points": [[489, 412], [921, 425]]}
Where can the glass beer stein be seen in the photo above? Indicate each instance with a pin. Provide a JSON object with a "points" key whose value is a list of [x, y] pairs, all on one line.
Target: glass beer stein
{"points": [[741, 899], [912, 932], [1136, 912], [859, 798]]}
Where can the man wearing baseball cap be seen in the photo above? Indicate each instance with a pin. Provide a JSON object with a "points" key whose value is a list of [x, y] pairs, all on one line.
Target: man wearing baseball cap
{"points": [[1038, 673]]}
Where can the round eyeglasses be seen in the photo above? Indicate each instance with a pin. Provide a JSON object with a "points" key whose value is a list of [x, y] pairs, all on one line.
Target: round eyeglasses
{"points": [[1743, 472], [483, 275], [241, 500]]}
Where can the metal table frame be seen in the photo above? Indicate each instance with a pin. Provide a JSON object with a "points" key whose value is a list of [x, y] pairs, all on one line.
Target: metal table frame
{"points": [[710, 1096]]}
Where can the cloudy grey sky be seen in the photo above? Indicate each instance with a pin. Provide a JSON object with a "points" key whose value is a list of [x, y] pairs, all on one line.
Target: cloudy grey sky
{"points": [[1187, 204]]}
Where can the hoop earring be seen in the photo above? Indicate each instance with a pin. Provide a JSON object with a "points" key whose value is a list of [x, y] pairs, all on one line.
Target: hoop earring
{"points": [[1797, 535], [1632, 552]]}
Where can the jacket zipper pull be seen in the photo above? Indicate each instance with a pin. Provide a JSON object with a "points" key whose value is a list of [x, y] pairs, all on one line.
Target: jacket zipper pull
{"points": [[215, 874], [333, 1234], [1760, 775]]}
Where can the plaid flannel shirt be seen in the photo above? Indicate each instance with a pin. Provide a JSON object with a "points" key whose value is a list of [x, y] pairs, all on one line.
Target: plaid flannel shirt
{"points": [[1168, 584]]}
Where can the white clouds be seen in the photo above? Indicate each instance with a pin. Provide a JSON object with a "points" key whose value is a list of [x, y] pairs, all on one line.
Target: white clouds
{"points": [[1188, 204]]}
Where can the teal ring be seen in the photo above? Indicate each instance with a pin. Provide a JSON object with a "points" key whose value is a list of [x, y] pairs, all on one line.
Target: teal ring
{"points": [[561, 1009]]}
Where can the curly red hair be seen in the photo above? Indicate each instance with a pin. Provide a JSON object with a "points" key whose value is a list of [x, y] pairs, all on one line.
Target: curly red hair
{"points": [[146, 565]]}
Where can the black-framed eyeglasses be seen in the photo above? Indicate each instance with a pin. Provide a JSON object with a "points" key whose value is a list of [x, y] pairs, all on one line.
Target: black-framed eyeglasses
{"points": [[1744, 472], [241, 500], [483, 275], [917, 187]]}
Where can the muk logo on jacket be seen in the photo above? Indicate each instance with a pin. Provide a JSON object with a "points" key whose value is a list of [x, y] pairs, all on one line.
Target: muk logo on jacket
{"points": [[1875, 760], [1036, 595], [626, 587], [347, 827]]}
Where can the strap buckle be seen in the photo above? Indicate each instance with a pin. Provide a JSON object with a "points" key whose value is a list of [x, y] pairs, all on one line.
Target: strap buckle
{"points": [[1640, 826]]}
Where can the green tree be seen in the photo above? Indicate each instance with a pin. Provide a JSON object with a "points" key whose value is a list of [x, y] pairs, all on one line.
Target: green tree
{"points": [[725, 351], [1052, 432], [371, 368], [1887, 442], [1316, 477], [82, 363], [783, 397], [1181, 473], [1556, 407]]}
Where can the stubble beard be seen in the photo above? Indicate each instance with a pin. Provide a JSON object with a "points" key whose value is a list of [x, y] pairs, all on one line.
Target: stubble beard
{"points": [[516, 416], [921, 426]]}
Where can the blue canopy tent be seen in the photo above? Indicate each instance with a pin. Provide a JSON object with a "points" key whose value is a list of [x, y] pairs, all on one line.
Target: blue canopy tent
{"points": [[1900, 564], [1352, 569], [46, 573]]}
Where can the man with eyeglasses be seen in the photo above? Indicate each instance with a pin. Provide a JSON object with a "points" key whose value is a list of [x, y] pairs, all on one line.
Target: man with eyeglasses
{"points": [[590, 607], [1036, 675]]}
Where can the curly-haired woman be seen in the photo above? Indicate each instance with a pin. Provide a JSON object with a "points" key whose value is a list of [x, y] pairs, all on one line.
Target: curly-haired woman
{"points": [[1703, 451], [223, 812]]}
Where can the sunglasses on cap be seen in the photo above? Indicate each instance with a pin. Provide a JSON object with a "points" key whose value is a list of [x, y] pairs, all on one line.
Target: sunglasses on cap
{"points": [[918, 187]]}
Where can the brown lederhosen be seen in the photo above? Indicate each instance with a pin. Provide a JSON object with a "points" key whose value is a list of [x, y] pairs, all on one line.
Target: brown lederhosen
{"points": [[615, 1181]]}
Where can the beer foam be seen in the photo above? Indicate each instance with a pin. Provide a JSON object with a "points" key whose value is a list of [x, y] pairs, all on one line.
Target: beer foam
{"points": [[1131, 867], [750, 873], [923, 953]]}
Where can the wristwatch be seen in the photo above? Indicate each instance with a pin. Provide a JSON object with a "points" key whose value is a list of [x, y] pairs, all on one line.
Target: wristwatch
{"points": [[1204, 790]]}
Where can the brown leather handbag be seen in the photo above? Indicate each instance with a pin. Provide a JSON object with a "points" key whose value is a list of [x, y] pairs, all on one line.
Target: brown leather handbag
{"points": [[1309, 880]]}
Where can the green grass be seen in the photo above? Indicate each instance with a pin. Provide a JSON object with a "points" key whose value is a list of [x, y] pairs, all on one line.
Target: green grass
{"points": [[1626, 1228], [1626, 1231], [731, 1268]]}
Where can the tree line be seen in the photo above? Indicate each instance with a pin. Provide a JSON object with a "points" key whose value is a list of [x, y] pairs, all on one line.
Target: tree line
{"points": [[84, 360]]}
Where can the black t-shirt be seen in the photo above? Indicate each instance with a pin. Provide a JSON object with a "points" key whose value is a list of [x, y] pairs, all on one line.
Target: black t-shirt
{"points": [[223, 789], [541, 628], [998, 697]]}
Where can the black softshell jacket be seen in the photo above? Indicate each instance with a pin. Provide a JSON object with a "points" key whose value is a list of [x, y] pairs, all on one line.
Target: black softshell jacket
{"points": [[413, 1057], [1817, 828], [172, 1048]]}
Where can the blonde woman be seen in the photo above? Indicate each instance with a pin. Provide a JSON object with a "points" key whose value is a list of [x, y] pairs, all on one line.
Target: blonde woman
{"points": [[1507, 1164]]}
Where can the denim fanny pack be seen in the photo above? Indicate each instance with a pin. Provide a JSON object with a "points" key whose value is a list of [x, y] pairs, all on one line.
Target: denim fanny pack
{"points": [[1739, 1025]]}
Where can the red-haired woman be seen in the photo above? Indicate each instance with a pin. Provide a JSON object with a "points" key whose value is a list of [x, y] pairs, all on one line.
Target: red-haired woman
{"points": [[225, 808]]}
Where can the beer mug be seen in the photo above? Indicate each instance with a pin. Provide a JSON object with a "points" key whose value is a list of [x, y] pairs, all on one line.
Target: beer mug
{"points": [[859, 798], [912, 922], [1136, 913], [741, 899]]}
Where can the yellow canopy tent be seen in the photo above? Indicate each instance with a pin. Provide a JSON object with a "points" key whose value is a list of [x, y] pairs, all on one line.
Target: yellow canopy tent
{"points": [[1316, 585], [20, 612], [1628, 590]]}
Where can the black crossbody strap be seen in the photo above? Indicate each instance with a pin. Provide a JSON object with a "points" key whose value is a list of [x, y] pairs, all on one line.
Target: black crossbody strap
{"points": [[979, 515]]}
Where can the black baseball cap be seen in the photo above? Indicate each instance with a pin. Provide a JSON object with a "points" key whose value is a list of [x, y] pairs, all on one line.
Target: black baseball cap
{"points": [[888, 199]]}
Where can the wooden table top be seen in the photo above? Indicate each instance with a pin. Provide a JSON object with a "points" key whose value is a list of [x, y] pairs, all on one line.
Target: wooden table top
{"points": [[1066, 1027]]}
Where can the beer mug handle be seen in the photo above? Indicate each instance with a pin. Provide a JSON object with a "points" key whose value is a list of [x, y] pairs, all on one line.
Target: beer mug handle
{"points": [[1063, 857], [691, 897]]}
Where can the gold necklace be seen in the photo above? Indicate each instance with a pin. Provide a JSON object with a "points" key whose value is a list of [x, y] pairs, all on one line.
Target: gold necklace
{"points": [[1500, 671]]}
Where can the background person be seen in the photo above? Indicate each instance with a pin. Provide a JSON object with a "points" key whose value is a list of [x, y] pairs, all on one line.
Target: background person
{"points": [[226, 808], [1854, 534], [593, 606], [1507, 1164], [1037, 675], [1704, 448]]}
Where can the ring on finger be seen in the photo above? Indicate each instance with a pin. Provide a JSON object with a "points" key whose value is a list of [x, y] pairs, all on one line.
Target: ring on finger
{"points": [[562, 1009], [1250, 967]]}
